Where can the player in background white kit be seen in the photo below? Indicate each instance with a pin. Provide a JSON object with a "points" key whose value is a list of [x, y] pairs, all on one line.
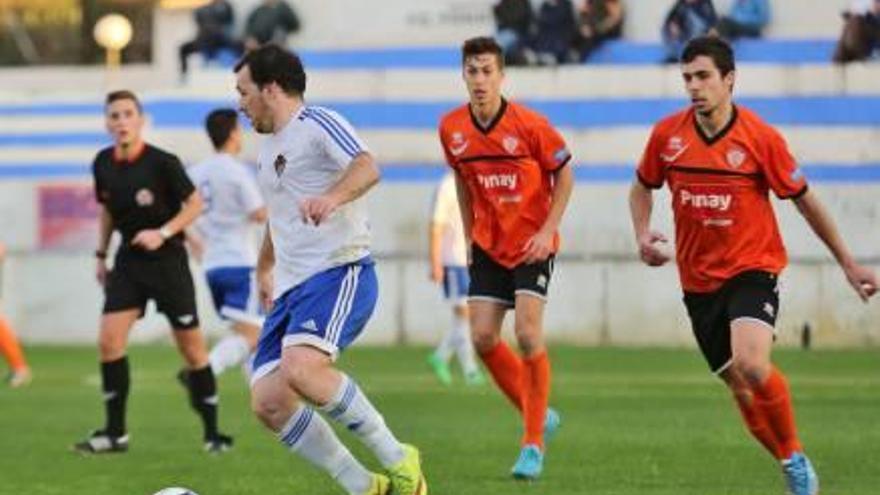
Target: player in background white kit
{"points": [[316, 274], [447, 252], [222, 238]]}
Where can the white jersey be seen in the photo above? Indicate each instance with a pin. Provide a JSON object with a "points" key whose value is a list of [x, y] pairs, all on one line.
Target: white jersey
{"points": [[447, 214], [231, 194], [303, 160]]}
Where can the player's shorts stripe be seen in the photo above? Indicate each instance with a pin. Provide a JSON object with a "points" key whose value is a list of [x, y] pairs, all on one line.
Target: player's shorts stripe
{"points": [[349, 303], [335, 124], [334, 330], [339, 135], [338, 305], [456, 283], [298, 428]]}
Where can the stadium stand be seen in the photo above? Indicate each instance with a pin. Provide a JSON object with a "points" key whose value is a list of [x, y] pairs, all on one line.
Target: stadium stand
{"points": [[830, 116]]}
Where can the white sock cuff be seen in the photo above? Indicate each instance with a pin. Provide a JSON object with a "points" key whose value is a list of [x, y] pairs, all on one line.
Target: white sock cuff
{"points": [[295, 427], [346, 394]]}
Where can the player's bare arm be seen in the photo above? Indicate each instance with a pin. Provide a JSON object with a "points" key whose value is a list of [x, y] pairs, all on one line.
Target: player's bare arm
{"points": [[641, 204], [265, 263], [359, 177], [105, 229], [195, 243], [540, 246], [435, 241], [861, 278], [152, 239]]}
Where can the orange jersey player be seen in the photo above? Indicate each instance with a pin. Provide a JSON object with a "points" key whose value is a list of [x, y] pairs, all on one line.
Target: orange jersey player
{"points": [[720, 162], [513, 183], [19, 372]]}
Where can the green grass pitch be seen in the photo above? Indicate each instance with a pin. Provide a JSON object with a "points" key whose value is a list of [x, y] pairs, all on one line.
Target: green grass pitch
{"points": [[635, 421]]}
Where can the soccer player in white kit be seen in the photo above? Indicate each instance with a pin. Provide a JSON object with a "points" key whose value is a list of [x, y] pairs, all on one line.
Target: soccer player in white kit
{"points": [[223, 238], [447, 252], [315, 273]]}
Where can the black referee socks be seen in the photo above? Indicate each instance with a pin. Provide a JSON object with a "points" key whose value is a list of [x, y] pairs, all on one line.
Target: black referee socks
{"points": [[203, 398], [115, 381]]}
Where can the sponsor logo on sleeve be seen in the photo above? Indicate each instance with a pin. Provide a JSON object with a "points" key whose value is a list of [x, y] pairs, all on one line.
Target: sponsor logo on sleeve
{"points": [[458, 145], [675, 147]]}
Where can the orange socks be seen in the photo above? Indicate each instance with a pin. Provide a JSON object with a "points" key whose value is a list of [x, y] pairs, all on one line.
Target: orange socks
{"points": [[772, 398], [9, 347], [526, 382], [757, 424], [506, 368], [536, 384]]}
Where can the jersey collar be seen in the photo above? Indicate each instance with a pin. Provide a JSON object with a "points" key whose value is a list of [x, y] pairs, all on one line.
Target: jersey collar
{"points": [[720, 134], [136, 153], [495, 120]]}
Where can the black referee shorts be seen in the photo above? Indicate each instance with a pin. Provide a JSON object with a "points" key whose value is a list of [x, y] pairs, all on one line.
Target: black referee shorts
{"points": [[491, 281], [752, 294], [165, 278]]}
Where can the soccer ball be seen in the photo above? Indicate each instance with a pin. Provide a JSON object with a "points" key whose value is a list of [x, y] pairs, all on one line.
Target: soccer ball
{"points": [[175, 491]]}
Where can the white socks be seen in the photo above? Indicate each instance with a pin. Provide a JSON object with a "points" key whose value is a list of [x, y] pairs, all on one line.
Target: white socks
{"points": [[458, 340], [307, 434], [352, 408], [229, 352], [464, 349]]}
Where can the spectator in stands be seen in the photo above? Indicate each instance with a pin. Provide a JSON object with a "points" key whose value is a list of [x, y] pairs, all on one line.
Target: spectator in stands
{"points": [[271, 22], [598, 21], [861, 32], [747, 18], [556, 29], [214, 23], [687, 19], [514, 21]]}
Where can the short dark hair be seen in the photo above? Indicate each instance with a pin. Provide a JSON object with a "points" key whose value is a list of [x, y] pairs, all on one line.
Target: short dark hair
{"points": [[272, 64], [123, 94], [713, 47], [220, 123], [482, 45]]}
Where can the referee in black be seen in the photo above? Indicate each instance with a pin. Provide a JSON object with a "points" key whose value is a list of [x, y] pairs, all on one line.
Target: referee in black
{"points": [[145, 194]]}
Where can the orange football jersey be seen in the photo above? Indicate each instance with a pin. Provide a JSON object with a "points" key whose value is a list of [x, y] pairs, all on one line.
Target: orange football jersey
{"points": [[508, 168], [724, 222]]}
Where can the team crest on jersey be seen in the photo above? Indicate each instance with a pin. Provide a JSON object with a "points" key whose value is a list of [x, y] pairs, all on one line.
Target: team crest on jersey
{"points": [[280, 165], [735, 157], [144, 197], [510, 144]]}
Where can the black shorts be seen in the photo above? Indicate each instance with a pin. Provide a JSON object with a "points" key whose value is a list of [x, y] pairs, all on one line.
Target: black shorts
{"points": [[165, 279], [752, 294], [491, 281]]}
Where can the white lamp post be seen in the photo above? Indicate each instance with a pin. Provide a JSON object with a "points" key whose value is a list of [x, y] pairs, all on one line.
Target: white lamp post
{"points": [[113, 32]]}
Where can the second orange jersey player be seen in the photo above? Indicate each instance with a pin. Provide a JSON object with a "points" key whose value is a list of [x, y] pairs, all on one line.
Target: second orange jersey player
{"points": [[720, 162], [514, 184]]}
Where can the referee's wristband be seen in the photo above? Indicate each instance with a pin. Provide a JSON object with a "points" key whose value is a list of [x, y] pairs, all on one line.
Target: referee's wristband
{"points": [[165, 232], [100, 254]]}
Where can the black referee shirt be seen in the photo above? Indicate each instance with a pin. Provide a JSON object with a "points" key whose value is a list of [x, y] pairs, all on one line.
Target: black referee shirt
{"points": [[144, 193]]}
